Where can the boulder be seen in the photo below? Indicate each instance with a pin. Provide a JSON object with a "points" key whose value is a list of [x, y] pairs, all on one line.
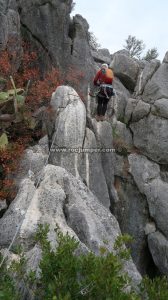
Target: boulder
{"points": [[145, 75], [147, 177], [70, 127], [120, 99], [131, 104], [131, 211], [90, 168], [10, 35], [158, 246], [104, 138], [150, 136], [140, 111], [63, 200], [160, 108], [101, 56], [157, 87], [122, 138], [126, 69]]}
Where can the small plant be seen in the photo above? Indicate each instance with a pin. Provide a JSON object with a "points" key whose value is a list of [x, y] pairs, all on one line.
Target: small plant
{"points": [[155, 289], [7, 287]]}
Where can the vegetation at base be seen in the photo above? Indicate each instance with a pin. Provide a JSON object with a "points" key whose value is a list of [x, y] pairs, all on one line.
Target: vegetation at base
{"points": [[66, 275], [7, 287]]}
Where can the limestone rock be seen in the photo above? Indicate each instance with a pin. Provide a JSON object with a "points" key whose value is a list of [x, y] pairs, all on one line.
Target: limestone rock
{"points": [[131, 104], [157, 87], [145, 75], [150, 136], [158, 246], [120, 99], [160, 108], [126, 69], [90, 169], [10, 35], [141, 110], [101, 56], [63, 200], [147, 177]]}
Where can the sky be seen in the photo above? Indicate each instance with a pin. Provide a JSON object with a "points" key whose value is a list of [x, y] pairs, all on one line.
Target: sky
{"points": [[112, 21]]}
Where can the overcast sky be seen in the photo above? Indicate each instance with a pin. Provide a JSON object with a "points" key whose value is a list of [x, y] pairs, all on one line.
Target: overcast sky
{"points": [[112, 21]]}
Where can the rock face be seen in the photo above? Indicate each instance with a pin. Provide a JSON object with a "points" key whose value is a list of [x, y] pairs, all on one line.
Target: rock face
{"points": [[151, 137], [82, 181], [10, 36], [76, 147], [147, 177], [63, 200], [41, 20], [157, 87], [126, 69], [101, 56]]}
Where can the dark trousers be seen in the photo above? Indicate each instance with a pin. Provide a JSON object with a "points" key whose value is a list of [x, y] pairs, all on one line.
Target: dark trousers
{"points": [[102, 105]]}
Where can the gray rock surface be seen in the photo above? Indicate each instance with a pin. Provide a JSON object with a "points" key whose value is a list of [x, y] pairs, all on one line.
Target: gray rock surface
{"points": [[147, 177], [10, 35], [150, 136], [101, 56], [131, 211], [90, 169], [70, 127], [158, 246], [122, 137], [126, 69], [32, 162], [157, 87], [120, 99], [130, 107], [63, 200], [145, 75], [3, 206], [160, 108], [141, 110]]}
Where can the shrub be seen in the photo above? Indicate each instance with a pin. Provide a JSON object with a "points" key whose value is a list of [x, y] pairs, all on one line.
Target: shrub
{"points": [[7, 288], [155, 289], [66, 276]]}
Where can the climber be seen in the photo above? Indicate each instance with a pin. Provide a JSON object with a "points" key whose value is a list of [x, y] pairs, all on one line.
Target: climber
{"points": [[103, 79]]}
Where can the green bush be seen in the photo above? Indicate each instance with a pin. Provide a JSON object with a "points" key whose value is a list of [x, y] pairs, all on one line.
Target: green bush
{"points": [[68, 276], [156, 289], [65, 275], [7, 288]]}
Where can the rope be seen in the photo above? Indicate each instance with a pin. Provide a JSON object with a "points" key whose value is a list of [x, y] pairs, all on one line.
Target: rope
{"points": [[21, 223]]}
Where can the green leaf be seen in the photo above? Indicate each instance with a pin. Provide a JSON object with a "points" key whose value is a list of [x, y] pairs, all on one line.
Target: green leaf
{"points": [[20, 100], [3, 96], [3, 141]]}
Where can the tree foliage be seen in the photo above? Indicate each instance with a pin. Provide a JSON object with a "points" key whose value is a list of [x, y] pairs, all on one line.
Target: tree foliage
{"points": [[134, 46], [151, 54], [93, 42]]}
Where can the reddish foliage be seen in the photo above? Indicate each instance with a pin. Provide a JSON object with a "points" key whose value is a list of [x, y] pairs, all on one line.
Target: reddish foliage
{"points": [[9, 160], [5, 65], [39, 93]]}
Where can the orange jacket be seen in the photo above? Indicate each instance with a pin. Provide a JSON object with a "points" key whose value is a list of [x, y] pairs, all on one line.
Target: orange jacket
{"points": [[106, 77]]}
